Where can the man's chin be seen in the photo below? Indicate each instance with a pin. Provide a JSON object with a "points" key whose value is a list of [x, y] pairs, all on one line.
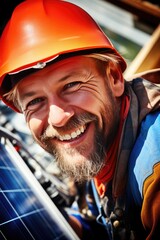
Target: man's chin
{"points": [[80, 163], [79, 169]]}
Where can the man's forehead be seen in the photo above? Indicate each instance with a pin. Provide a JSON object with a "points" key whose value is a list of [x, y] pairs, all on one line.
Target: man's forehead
{"points": [[72, 65], [61, 71]]}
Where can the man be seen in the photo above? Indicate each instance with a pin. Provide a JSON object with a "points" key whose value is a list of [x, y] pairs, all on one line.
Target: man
{"points": [[60, 70]]}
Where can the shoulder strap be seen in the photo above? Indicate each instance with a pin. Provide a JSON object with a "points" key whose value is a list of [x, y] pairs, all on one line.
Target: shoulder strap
{"points": [[115, 224], [102, 218]]}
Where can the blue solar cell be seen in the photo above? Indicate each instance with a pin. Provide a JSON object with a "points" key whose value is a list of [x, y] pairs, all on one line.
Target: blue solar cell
{"points": [[23, 214]]}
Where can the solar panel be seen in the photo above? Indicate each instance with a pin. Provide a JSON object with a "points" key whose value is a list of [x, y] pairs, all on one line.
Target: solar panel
{"points": [[26, 211]]}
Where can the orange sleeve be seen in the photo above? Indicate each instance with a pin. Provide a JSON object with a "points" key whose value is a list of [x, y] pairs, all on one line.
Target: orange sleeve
{"points": [[150, 213]]}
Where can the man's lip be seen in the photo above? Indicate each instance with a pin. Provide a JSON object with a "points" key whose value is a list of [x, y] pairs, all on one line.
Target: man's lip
{"points": [[74, 141], [73, 135]]}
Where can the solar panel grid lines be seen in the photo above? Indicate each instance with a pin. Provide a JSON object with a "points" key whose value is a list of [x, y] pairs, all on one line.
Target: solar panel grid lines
{"points": [[26, 212]]}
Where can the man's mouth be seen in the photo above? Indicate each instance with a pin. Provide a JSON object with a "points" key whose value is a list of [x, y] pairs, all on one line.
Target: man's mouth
{"points": [[73, 135]]}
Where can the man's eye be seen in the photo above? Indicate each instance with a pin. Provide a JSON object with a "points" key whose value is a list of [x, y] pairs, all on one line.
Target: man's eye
{"points": [[34, 102], [71, 85]]}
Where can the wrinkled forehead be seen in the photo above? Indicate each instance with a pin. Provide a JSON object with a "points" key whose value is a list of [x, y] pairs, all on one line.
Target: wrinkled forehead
{"points": [[71, 63], [75, 68]]}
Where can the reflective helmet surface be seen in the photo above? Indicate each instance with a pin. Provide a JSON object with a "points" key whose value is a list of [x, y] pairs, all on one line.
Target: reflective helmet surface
{"points": [[41, 30]]}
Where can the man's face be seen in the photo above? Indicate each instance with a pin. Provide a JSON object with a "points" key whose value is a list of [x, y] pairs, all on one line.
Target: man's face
{"points": [[72, 113]]}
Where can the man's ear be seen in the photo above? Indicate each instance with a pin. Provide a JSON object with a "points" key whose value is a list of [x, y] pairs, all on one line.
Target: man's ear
{"points": [[116, 79]]}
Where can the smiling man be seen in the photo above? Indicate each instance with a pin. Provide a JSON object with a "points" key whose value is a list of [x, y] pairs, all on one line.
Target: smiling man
{"points": [[62, 72], [72, 112]]}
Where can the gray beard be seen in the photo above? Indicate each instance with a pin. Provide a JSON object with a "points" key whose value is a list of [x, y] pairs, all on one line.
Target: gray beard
{"points": [[84, 170]]}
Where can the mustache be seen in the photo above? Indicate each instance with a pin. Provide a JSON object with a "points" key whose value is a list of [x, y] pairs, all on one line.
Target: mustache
{"points": [[73, 123]]}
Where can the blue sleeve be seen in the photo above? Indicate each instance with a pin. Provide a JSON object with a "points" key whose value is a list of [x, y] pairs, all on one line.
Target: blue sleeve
{"points": [[145, 155], [92, 230]]}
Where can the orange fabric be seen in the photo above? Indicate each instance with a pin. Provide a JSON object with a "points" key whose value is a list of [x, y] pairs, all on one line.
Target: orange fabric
{"points": [[76, 225], [150, 213], [106, 174]]}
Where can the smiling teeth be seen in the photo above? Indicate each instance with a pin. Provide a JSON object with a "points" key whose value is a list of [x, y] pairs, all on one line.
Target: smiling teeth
{"points": [[73, 135]]}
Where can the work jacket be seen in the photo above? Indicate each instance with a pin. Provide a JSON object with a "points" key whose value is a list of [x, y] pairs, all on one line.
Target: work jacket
{"points": [[130, 208]]}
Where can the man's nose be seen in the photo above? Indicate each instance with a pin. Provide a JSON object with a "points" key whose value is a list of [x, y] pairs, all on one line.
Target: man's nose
{"points": [[58, 117]]}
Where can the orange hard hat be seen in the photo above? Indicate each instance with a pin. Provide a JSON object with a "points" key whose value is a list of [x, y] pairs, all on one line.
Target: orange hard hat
{"points": [[42, 30]]}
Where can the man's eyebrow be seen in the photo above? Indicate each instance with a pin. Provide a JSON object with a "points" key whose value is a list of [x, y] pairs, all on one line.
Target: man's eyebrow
{"points": [[69, 75], [32, 92], [27, 94]]}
